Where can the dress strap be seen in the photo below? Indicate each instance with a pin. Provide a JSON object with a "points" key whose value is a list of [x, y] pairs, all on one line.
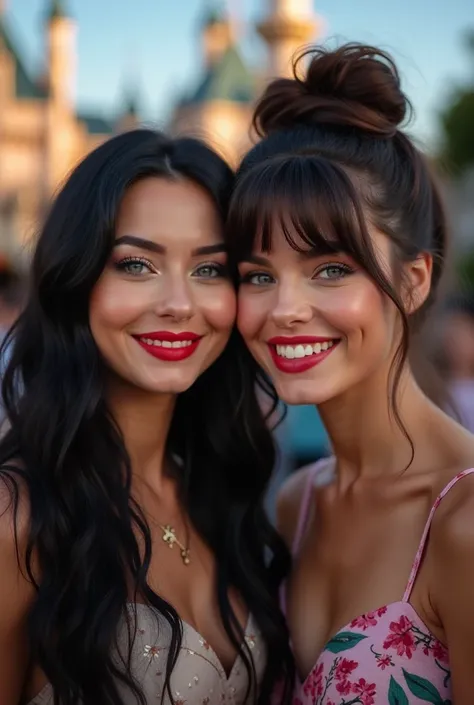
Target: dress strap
{"points": [[305, 504], [421, 547]]}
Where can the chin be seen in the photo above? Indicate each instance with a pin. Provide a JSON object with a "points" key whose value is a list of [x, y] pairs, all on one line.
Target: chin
{"points": [[170, 385], [303, 392]]}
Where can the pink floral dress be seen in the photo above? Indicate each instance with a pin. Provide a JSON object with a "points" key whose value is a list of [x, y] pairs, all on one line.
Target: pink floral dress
{"points": [[384, 657]]}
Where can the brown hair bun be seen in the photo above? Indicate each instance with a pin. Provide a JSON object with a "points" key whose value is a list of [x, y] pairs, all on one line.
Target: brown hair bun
{"points": [[354, 86]]}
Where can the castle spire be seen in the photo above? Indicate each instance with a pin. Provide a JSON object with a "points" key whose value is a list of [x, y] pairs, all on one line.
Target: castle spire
{"points": [[61, 46], [57, 10], [217, 33], [289, 25]]}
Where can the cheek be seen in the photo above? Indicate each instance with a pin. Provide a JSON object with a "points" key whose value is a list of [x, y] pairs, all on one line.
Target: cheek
{"points": [[252, 312], [113, 305], [219, 308], [362, 308]]}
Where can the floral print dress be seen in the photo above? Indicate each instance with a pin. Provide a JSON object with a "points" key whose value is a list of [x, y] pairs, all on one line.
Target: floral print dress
{"points": [[384, 657], [387, 656]]}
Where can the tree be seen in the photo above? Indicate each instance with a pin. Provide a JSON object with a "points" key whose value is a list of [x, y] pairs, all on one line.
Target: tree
{"points": [[457, 123]]}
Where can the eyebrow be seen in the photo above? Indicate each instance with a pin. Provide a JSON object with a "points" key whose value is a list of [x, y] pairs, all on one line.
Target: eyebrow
{"points": [[150, 246]]}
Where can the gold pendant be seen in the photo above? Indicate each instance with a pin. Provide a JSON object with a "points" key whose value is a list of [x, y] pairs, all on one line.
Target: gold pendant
{"points": [[169, 537]]}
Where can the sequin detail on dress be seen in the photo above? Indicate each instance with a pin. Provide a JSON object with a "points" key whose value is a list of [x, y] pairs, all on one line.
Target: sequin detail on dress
{"points": [[198, 677]]}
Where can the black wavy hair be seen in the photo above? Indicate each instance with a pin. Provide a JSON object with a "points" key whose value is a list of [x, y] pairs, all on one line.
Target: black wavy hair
{"points": [[63, 446], [333, 160]]}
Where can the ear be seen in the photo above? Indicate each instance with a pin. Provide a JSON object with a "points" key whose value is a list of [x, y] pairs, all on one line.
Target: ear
{"points": [[417, 275]]}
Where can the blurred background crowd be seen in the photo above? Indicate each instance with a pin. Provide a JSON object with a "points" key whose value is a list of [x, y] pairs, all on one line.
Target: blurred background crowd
{"points": [[75, 72]]}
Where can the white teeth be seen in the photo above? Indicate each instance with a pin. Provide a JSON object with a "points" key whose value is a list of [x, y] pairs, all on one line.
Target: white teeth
{"points": [[298, 351], [167, 343]]}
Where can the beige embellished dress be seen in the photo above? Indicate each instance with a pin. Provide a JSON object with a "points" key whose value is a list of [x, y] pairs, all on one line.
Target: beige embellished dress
{"points": [[198, 677]]}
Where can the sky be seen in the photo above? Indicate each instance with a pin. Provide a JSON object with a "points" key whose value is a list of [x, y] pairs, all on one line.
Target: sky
{"points": [[155, 45]]}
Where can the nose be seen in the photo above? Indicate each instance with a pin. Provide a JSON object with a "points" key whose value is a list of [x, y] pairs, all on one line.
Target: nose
{"points": [[291, 308], [175, 300]]}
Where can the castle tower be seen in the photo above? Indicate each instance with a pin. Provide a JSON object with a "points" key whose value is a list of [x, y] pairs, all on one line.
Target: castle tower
{"points": [[289, 25], [7, 68], [59, 106], [218, 108], [61, 53], [217, 36]]}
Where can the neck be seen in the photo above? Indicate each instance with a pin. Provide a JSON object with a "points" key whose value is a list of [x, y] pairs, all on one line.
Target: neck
{"points": [[144, 420], [363, 429]]}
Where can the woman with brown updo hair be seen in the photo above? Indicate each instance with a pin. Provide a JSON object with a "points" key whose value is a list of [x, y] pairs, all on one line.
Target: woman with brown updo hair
{"points": [[340, 238]]}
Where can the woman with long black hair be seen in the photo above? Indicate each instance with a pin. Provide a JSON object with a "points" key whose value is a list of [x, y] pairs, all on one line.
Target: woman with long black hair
{"points": [[133, 544]]}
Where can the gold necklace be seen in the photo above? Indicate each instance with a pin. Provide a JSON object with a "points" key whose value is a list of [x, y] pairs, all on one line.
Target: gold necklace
{"points": [[169, 537]]}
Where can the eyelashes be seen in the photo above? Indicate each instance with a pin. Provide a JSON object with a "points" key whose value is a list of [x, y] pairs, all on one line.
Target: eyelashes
{"points": [[331, 271], [134, 265], [210, 270], [257, 278], [340, 268], [138, 266]]}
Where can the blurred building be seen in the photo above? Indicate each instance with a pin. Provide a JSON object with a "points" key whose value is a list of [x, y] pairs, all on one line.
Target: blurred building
{"points": [[43, 134], [219, 107]]}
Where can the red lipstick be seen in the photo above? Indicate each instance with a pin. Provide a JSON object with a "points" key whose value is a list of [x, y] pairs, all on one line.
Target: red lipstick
{"points": [[307, 351], [163, 344]]}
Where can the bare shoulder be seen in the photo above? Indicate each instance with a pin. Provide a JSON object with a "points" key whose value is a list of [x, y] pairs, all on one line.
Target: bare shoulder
{"points": [[452, 549], [453, 528], [452, 539], [14, 520], [290, 498], [16, 590]]}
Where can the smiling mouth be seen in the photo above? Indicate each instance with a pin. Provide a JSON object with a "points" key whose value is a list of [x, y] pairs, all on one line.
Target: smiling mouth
{"points": [[301, 350], [176, 344], [294, 354], [167, 346]]}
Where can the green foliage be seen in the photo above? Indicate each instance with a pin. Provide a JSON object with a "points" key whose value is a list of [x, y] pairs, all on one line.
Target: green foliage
{"points": [[465, 272], [457, 123]]}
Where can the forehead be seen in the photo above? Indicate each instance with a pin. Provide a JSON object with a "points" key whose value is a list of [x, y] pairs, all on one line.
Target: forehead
{"points": [[175, 209], [310, 204]]}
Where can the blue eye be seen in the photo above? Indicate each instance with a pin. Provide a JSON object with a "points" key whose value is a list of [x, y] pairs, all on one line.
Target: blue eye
{"points": [[333, 271], [134, 266], [257, 279], [209, 271]]}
